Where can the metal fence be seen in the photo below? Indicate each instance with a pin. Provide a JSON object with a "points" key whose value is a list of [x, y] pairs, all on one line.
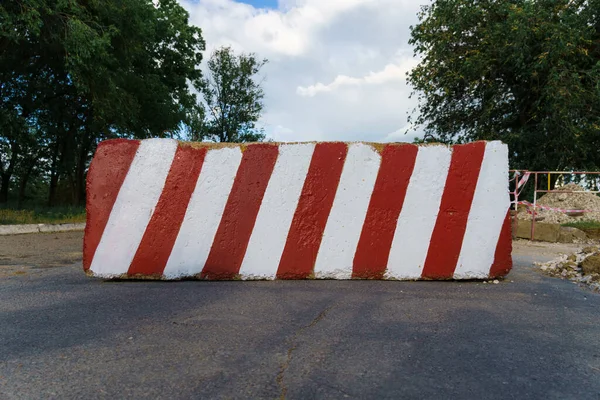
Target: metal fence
{"points": [[522, 177]]}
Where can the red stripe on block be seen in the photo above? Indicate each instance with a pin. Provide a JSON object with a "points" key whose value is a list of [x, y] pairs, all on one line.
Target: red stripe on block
{"points": [[451, 223], [239, 216], [157, 243], [314, 205], [106, 174], [373, 250], [502, 258]]}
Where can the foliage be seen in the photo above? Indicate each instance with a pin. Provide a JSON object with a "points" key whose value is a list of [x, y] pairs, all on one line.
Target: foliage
{"points": [[42, 215], [75, 72], [523, 71], [232, 98]]}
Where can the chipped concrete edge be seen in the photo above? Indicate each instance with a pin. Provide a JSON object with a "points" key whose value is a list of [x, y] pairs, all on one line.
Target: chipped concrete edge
{"points": [[39, 228]]}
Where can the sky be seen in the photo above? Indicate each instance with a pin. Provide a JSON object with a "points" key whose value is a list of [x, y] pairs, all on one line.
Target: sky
{"points": [[337, 68]]}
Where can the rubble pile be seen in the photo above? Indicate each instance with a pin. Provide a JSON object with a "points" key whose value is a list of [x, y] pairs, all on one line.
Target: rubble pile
{"points": [[582, 267], [567, 201]]}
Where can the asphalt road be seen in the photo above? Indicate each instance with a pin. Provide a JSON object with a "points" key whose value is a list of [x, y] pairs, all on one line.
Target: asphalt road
{"points": [[64, 335]]}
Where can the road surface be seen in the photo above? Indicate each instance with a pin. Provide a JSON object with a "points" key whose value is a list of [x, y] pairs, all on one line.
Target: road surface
{"points": [[64, 335]]}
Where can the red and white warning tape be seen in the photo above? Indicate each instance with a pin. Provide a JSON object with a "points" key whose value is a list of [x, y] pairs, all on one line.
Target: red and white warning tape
{"points": [[519, 182], [523, 180]]}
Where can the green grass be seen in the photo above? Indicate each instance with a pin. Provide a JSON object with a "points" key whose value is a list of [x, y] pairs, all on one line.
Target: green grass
{"points": [[583, 225], [42, 215]]}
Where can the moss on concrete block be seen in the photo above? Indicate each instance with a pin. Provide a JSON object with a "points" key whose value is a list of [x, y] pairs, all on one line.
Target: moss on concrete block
{"points": [[543, 232], [571, 235]]}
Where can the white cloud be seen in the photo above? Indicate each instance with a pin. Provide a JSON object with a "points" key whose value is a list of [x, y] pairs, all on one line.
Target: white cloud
{"points": [[404, 134], [337, 68], [391, 73]]}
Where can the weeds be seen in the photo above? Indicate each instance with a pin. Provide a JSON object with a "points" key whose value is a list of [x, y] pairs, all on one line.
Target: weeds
{"points": [[42, 215], [583, 224]]}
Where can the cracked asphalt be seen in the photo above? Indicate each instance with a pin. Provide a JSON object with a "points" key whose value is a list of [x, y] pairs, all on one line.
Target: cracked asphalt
{"points": [[66, 336]]}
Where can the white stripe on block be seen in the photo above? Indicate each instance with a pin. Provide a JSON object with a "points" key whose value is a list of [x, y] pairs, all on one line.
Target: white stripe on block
{"points": [[419, 213], [488, 210], [134, 207], [276, 212], [347, 216], [204, 213]]}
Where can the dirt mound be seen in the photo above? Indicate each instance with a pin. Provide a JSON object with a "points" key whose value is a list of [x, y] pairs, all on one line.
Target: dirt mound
{"points": [[567, 201]]}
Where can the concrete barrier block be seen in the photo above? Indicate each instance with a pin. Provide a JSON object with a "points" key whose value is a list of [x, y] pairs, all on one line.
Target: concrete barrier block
{"points": [[543, 231], [163, 209]]}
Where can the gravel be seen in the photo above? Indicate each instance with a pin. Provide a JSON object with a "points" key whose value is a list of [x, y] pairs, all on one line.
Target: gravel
{"points": [[569, 266], [567, 201]]}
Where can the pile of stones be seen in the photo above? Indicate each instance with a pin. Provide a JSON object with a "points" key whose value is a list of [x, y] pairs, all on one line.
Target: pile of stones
{"points": [[581, 267]]}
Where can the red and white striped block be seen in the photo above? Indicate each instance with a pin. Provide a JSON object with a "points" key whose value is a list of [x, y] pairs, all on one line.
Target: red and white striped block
{"points": [[164, 209]]}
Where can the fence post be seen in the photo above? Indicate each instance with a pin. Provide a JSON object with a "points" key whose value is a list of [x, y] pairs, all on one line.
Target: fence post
{"points": [[534, 206], [515, 219]]}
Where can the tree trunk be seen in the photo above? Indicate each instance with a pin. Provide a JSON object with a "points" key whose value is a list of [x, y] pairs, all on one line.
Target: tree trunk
{"points": [[25, 180], [52, 189], [69, 176], [80, 175], [53, 177], [22, 189], [81, 187], [4, 183], [7, 174]]}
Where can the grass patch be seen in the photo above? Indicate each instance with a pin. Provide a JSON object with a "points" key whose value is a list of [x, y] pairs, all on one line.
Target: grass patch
{"points": [[42, 215], [583, 225], [591, 228]]}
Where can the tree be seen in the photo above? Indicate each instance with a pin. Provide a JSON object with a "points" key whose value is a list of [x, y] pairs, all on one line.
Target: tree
{"points": [[9, 151], [80, 71], [232, 98], [523, 71]]}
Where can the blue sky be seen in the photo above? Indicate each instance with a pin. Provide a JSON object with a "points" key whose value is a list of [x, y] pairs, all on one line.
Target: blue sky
{"points": [[337, 68], [260, 3]]}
